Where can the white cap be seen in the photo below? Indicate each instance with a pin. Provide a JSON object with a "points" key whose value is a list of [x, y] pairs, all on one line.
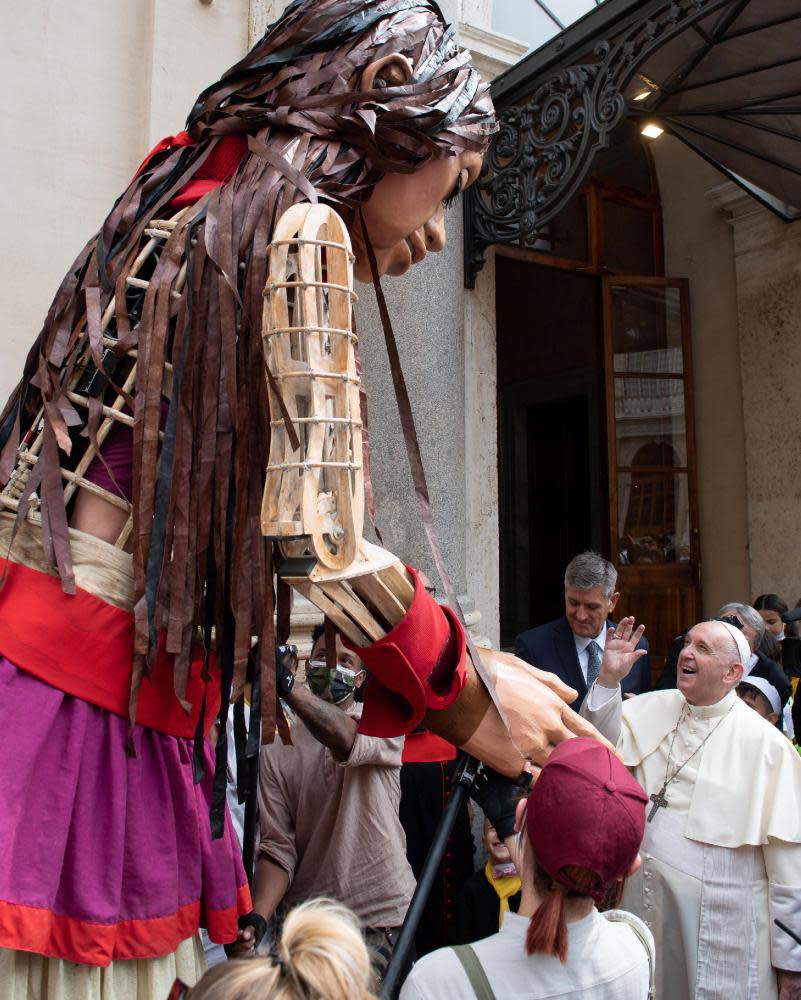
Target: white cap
{"points": [[767, 689], [743, 649]]}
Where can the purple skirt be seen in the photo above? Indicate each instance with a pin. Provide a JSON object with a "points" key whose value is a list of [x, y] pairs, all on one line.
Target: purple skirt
{"points": [[104, 856]]}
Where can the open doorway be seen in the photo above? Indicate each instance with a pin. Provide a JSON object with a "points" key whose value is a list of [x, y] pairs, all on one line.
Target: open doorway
{"points": [[595, 407], [550, 443]]}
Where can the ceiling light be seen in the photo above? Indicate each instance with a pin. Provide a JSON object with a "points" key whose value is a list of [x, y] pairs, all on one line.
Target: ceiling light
{"points": [[647, 88], [651, 130]]}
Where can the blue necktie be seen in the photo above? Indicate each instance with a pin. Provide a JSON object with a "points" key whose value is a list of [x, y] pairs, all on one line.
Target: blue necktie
{"points": [[594, 658]]}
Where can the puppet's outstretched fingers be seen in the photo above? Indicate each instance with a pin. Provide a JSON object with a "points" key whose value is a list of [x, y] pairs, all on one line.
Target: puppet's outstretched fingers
{"points": [[577, 726]]}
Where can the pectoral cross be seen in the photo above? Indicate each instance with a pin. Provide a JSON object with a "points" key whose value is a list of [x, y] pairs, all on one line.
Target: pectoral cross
{"points": [[659, 800]]}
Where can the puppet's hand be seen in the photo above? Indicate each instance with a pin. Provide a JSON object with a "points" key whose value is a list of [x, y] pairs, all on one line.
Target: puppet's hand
{"points": [[536, 706]]}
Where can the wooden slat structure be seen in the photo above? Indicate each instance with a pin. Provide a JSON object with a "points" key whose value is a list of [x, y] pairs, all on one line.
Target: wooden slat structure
{"points": [[85, 382], [314, 496]]}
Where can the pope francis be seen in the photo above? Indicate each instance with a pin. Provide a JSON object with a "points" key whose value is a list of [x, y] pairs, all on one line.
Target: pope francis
{"points": [[722, 847]]}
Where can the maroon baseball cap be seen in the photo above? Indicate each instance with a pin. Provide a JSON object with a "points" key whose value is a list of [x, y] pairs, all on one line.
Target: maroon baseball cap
{"points": [[586, 810]]}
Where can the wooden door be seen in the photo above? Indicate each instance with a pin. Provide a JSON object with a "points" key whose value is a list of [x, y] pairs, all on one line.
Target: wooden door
{"points": [[653, 509]]}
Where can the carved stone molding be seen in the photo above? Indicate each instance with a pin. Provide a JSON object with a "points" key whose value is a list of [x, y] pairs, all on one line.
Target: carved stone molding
{"points": [[492, 53], [547, 144], [262, 13]]}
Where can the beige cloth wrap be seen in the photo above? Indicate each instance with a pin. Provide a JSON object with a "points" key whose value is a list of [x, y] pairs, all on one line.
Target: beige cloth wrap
{"points": [[100, 569], [24, 975]]}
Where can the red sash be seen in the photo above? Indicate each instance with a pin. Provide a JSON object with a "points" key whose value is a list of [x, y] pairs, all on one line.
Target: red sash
{"points": [[83, 646]]}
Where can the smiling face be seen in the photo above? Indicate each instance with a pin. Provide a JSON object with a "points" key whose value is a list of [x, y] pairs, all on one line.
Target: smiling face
{"points": [[587, 610], [708, 668], [405, 216], [494, 846]]}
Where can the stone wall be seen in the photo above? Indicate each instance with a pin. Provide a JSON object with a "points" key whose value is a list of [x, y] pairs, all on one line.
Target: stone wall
{"points": [[92, 87]]}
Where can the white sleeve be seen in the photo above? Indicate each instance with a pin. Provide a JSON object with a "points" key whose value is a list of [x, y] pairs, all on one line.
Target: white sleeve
{"points": [[787, 719], [603, 707], [783, 865], [598, 695]]}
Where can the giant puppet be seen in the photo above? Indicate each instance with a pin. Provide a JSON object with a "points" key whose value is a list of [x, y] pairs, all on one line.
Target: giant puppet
{"points": [[135, 490]]}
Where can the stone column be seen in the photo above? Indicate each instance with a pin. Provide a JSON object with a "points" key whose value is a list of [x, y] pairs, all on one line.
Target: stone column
{"points": [[768, 264], [426, 307]]}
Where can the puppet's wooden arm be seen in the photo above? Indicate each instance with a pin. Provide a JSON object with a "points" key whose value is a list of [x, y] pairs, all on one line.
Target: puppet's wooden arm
{"points": [[314, 507]]}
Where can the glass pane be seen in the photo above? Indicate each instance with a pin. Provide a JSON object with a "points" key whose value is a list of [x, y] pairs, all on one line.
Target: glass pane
{"points": [[650, 428], [625, 161], [653, 517], [568, 232], [628, 238], [646, 329]]}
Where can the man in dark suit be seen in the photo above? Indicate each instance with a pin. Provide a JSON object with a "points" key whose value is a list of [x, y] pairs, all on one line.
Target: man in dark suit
{"points": [[572, 647]]}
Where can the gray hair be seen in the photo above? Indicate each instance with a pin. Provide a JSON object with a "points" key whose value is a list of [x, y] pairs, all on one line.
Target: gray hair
{"points": [[588, 570], [748, 616]]}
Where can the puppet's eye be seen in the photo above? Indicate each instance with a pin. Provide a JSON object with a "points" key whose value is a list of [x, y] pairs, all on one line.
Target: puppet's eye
{"points": [[457, 189]]}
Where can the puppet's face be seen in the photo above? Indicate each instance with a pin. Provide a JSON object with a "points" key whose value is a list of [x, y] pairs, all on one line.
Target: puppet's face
{"points": [[405, 215]]}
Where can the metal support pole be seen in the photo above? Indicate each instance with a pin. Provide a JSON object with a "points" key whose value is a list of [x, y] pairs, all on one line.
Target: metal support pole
{"points": [[461, 783], [786, 930]]}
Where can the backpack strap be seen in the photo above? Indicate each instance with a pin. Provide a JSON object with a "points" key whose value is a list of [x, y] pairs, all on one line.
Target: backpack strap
{"points": [[641, 932], [474, 971]]}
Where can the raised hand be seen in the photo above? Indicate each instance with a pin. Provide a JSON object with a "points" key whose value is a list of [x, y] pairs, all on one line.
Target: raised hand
{"points": [[620, 652]]}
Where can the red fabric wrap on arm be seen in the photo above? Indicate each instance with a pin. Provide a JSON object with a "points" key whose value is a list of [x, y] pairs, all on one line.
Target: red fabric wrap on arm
{"points": [[419, 665]]}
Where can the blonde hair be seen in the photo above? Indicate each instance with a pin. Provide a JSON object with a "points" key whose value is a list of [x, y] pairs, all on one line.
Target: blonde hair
{"points": [[321, 953]]}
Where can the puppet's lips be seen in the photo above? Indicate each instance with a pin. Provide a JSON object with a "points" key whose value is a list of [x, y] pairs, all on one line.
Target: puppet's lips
{"points": [[417, 250]]}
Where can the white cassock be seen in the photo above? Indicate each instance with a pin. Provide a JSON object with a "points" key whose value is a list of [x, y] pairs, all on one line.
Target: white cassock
{"points": [[723, 859]]}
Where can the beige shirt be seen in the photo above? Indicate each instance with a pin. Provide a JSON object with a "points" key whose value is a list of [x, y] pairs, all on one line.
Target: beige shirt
{"points": [[334, 827]]}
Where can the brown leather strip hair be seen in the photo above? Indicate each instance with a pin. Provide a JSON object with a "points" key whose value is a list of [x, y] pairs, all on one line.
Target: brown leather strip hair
{"points": [[311, 130]]}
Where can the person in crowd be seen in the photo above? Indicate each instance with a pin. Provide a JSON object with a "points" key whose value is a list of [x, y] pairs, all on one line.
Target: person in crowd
{"points": [[762, 696], [771, 607], [578, 836], [429, 765], [750, 622], [489, 894], [320, 953], [572, 646], [722, 843], [328, 808]]}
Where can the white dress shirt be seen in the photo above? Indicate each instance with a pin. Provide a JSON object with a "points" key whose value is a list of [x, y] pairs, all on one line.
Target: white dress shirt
{"points": [[581, 648]]}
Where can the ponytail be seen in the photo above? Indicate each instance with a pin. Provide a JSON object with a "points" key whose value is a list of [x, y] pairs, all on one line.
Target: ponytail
{"points": [[321, 953], [547, 929]]}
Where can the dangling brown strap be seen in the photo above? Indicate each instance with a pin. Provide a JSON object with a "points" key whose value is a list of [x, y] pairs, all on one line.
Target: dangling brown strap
{"points": [[369, 495], [418, 471], [330, 644]]}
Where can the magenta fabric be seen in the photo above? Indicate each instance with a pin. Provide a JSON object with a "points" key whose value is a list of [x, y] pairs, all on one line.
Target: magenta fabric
{"points": [[117, 460], [90, 833], [117, 452]]}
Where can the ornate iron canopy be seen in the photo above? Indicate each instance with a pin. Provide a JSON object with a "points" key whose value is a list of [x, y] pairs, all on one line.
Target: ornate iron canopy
{"points": [[724, 76]]}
